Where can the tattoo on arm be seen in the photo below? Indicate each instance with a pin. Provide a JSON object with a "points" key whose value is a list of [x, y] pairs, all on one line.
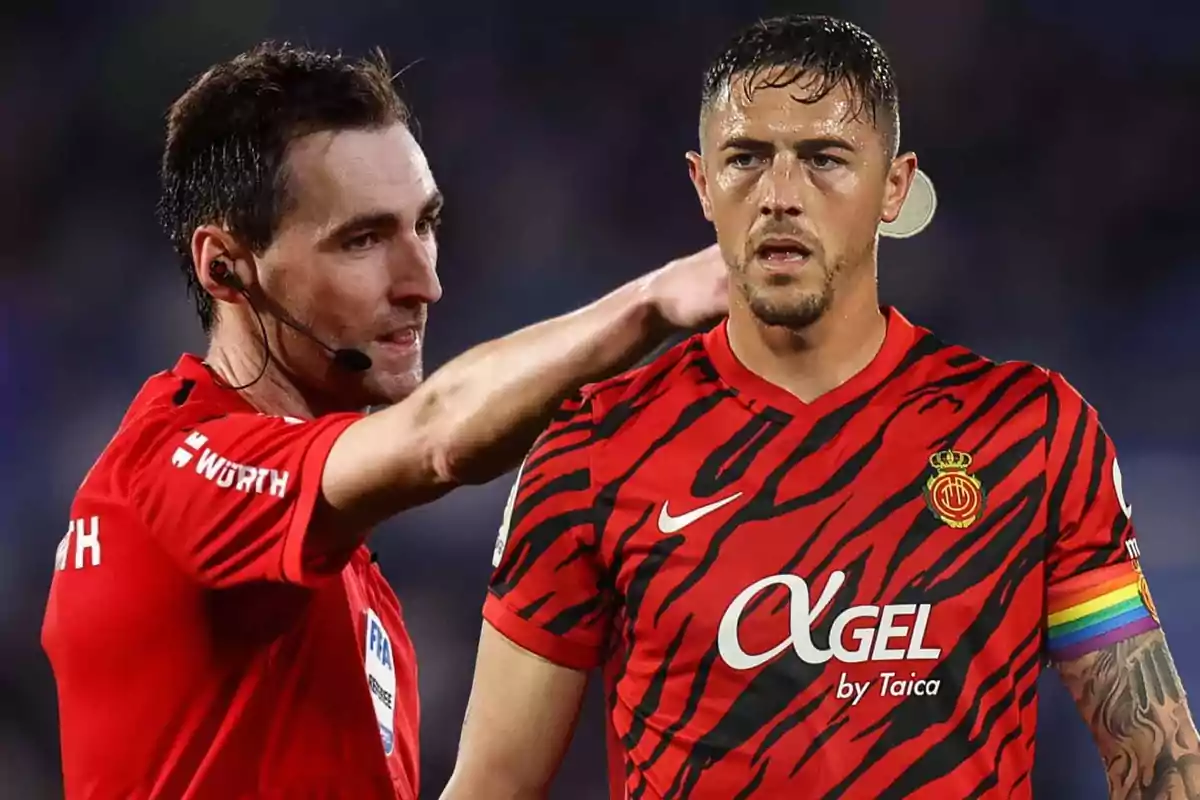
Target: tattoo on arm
{"points": [[1131, 697]]}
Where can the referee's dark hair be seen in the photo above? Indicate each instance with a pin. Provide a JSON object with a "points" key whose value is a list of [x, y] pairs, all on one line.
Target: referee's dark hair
{"points": [[228, 134], [814, 54]]}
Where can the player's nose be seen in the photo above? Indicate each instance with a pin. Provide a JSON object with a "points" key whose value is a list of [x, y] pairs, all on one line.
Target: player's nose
{"points": [[782, 188], [414, 271]]}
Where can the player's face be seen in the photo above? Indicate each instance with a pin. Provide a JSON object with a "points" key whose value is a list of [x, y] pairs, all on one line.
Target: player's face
{"points": [[355, 259], [796, 191]]}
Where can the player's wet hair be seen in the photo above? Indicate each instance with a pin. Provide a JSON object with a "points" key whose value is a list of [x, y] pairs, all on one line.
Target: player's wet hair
{"points": [[815, 54], [228, 134]]}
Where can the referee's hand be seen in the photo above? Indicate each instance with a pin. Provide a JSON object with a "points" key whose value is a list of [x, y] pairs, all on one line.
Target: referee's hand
{"points": [[692, 290]]}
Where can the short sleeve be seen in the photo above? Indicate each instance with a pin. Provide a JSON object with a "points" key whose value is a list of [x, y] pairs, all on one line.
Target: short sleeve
{"points": [[548, 593], [231, 498], [1097, 595]]}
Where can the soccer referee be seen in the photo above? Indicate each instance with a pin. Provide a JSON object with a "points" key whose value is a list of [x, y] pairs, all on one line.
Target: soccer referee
{"points": [[216, 626]]}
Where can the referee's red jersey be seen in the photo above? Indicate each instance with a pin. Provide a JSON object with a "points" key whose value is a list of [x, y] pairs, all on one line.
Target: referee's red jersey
{"points": [[208, 640]]}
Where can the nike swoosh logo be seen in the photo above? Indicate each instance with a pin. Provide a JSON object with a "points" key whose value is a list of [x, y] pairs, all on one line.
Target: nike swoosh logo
{"points": [[670, 524]]}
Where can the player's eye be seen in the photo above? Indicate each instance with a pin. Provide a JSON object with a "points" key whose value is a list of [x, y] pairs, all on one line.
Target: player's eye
{"points": [[823, 161], [362, 241], [743, 160], [429, 225]]}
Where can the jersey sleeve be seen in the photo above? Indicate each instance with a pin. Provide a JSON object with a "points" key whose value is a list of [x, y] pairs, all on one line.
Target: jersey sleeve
{"points": [[1096, 595], [231, 497], [548, 592]]}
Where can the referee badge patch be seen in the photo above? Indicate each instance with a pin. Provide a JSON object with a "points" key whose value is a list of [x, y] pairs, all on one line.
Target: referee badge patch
{"points": [[381, 679]]}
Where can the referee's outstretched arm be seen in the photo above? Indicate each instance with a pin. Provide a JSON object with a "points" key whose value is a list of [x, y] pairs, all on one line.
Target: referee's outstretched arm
{"points": [[477, 416]]}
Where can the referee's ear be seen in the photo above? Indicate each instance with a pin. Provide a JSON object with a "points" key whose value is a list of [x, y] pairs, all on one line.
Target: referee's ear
{"points": [[211, 245]]}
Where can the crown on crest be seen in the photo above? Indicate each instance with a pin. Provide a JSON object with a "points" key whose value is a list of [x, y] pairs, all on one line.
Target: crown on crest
{"points": [[950, 461]]}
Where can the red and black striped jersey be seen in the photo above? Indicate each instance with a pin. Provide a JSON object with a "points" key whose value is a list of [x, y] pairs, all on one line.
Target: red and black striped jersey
{"points": [[848, 598]]}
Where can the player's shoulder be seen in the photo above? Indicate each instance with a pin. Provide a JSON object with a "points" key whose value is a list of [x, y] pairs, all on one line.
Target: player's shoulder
{"points": [[681, 369], [964, 366], [607, 410]]}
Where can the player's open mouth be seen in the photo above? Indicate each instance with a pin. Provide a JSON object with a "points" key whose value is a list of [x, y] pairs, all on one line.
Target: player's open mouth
{"points": [[782, 251]]}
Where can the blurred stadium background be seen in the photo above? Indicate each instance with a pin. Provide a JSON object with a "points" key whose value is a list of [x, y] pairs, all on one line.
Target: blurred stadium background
{"points": [[1061, 135]]}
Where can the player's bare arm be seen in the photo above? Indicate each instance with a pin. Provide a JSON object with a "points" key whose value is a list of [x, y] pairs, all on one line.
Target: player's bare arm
{"points": [[519, 721], [476, 417], [1131, 697]]}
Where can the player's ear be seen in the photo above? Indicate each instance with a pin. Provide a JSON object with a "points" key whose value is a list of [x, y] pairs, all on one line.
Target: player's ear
{"points": [[699, 181], [898, 182]]}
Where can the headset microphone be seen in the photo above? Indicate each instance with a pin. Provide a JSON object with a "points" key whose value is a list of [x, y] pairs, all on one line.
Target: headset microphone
{"points": [[350, 359], [346, 358]]}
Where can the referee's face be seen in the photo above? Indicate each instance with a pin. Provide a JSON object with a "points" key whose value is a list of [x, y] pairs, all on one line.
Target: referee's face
{"points": [[795, 189], [355, 259]]}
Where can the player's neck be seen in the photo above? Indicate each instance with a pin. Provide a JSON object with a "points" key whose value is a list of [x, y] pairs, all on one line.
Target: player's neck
{"points": [[237, 358], [817, 359]]}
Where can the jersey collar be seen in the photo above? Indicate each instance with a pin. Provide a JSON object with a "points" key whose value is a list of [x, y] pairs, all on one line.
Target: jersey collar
{"points": [[897, 341], [199, 382]]}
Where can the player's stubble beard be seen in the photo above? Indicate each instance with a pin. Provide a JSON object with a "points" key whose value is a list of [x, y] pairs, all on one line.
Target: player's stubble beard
{"points": [[776, 300]]}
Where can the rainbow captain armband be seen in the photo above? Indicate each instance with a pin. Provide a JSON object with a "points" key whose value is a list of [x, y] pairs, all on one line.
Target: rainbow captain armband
{"points": [[1098, 609]]}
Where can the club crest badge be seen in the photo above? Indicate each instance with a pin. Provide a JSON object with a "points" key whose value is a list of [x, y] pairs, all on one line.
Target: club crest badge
{"points": [[953, 495]]}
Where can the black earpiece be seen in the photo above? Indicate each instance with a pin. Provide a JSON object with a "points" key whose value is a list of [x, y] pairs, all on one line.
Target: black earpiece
{"points": [[222, 274]]}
